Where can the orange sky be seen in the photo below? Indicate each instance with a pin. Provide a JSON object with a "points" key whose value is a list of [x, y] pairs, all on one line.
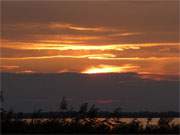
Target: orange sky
{"points": [[90, 37]]}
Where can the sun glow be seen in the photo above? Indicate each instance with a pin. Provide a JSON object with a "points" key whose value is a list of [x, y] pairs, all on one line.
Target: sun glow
{"points": [[109, 69]]}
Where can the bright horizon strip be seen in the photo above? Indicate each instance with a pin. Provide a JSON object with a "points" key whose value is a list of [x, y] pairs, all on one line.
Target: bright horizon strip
{"points": [[119, 47]]}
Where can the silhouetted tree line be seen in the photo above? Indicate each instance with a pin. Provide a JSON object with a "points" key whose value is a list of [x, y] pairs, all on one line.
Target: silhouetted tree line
{"points": [[86, 125], [84, 121]]}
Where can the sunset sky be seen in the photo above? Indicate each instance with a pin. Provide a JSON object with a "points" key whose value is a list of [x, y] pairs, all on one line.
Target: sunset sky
{"points": [[136, 40], [90, 37]]}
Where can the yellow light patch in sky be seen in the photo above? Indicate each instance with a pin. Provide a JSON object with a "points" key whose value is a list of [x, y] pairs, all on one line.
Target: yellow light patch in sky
{"points": [[109, 69]]}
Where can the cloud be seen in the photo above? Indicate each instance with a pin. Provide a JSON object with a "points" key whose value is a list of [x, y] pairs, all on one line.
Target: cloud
{"points": [[53, 36], [55, 64], [115, 51], [78, 28], [44, 57], [145, 22], [8, 67]]}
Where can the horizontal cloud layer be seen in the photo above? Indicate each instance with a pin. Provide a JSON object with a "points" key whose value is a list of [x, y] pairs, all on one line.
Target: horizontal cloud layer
{"points": [[53, 36]]}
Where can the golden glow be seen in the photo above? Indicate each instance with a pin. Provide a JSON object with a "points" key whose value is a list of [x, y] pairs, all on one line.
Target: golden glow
{"points": [[62, 47], [68, 39], [93, 56], [8, 67], [87, 29], [126, 34], [26, 71], [102, 57], [78, 28], [109, 69]]}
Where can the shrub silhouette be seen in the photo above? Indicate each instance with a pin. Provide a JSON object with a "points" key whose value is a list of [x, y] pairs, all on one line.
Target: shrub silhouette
{"points": [[63, 104], [86, 120]]}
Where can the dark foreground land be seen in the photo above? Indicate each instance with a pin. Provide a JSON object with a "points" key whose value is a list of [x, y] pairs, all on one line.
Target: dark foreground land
{"points": [[37, 123], [88, 126], [89, 120]]}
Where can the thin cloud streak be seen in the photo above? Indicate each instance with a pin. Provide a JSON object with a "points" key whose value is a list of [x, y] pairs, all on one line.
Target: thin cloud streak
{"points": [[46, 46], [96, 57], [8, 67]]}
